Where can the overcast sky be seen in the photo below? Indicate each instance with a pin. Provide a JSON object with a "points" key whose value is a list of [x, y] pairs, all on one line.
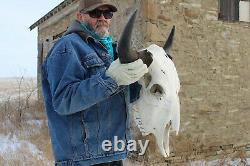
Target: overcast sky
{"points": [[18, 45]]}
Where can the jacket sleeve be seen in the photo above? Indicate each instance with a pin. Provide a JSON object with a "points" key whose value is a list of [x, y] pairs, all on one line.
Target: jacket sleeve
{"points": [[71, 90]]}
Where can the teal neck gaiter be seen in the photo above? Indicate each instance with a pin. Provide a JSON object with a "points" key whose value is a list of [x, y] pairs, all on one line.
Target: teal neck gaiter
{"points": [[106, 41]]}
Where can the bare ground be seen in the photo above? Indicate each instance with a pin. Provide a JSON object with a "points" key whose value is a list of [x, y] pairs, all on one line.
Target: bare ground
{"points": [[24, 136]]}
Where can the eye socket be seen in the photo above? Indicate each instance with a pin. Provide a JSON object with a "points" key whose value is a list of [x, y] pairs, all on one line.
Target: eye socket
{"points": [[146, 57], [156, 89]]}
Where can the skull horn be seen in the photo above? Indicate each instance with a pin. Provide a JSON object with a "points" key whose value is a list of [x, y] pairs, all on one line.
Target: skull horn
{"points": [[169, 42], [124, 53]]}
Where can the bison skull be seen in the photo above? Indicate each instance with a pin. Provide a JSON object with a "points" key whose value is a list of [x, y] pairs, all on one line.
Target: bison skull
{"points": [[158, 108]]}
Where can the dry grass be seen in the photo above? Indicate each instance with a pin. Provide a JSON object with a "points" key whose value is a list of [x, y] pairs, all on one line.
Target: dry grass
{"points": [[24, 123]]}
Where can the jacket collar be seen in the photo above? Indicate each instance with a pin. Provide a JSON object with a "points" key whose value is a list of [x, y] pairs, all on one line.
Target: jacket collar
{"points": [[75, 27]]}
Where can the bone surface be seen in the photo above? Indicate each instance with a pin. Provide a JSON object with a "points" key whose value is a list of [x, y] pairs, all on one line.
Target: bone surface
{"points": [[157, 111]]}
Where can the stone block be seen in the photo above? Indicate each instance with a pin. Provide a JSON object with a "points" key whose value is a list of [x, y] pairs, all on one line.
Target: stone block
{"points": [[192, 13], [150, 10], [211, 153], [153, 33]]}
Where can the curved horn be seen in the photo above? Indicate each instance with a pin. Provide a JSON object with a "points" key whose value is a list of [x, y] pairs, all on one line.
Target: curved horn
{"points": [[169, 41], [124, 43]]}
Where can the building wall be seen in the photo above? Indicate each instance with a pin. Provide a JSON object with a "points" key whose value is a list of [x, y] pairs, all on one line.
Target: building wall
{"points": [[212, 59]]}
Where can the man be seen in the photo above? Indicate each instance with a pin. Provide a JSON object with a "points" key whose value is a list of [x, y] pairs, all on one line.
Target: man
{"points": [[85, 90]]}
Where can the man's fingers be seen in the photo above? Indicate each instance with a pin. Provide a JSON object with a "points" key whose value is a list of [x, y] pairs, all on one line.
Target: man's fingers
{"points": [[133, 65], [137, 72]]}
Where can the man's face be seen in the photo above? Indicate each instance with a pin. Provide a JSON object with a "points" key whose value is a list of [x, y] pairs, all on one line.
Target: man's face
{"points": [[99, 25]]}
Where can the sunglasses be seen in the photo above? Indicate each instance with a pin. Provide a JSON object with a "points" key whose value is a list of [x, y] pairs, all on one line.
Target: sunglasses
{"points": [[98, 13]]}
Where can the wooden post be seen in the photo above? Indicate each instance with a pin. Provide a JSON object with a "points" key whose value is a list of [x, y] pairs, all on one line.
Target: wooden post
{"points": [[39, 74]]}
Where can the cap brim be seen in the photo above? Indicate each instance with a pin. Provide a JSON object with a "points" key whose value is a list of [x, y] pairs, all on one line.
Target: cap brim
{"points": [[112, 7]]}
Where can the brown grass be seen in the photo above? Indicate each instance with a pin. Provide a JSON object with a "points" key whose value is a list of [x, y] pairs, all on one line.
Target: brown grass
{"points": [[19, 108], [19, 113]]}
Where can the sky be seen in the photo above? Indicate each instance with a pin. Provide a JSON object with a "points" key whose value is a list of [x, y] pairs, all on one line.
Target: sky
{"points": [[18, 45]]}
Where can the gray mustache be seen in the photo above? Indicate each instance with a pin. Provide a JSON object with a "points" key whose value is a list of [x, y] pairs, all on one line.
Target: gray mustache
{"points": [[102, 23]]}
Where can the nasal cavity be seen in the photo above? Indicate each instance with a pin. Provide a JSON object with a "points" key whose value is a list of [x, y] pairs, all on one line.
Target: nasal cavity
{"points": [[156, 89]]}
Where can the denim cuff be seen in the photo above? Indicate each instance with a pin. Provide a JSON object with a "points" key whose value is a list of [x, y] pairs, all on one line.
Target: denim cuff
{"points": [[109, 83]]}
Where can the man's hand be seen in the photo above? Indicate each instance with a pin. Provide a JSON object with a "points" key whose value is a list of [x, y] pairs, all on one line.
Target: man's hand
{"points": [[125, 74]]}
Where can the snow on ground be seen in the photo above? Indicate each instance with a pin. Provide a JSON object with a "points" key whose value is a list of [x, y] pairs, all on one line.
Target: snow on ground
{"points": [[12, 148], [226, 162], [37, 123]]}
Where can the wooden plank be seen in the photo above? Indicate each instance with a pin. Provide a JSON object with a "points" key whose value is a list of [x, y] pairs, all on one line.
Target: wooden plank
{"points": [[39, 69]]}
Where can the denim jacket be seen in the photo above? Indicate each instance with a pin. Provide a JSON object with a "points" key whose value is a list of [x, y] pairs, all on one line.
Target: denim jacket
{"points": [[84, 106]]}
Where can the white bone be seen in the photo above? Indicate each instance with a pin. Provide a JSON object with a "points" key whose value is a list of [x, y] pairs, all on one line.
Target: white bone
{"points": [[157, 113]]}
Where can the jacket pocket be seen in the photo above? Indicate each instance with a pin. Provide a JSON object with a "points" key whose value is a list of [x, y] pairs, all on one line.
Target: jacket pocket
{"points": [[84, 131], [94, 65], [92, 60], [85, 135]]}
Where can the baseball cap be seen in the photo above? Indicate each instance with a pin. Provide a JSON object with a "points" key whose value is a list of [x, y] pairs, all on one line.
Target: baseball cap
{"points": [[89, 5]]}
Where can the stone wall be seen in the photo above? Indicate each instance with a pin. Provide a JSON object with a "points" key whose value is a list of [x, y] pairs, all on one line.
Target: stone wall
{"points": [[212, 59]]}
